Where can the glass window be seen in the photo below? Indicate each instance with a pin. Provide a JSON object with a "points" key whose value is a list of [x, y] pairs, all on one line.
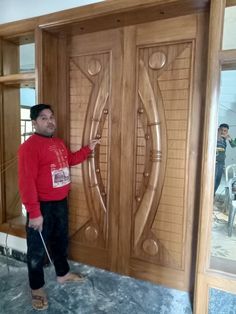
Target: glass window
{"points": [[27, 58], [229, 33], [27, 100], [223, 236]]}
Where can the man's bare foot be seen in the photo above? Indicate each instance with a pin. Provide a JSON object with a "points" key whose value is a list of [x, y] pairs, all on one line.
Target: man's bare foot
{"points": [[70, 277], [39, 299]]}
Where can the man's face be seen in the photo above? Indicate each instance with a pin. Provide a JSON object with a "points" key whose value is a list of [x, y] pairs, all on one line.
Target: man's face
{"points": [[223, 132], [45, 124]]}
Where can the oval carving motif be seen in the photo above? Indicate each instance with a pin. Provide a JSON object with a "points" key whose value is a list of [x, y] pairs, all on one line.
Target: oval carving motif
{"points": [[94, 67], [91, 233], [157, 60], [150, 247]]}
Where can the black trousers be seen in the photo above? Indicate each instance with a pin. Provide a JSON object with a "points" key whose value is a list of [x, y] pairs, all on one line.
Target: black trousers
{"points": [[55, 234]]}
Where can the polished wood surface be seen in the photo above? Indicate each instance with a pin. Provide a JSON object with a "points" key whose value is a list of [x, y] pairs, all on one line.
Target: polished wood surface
{"points": [[130, 199], [106, 14], [133, 73], [17, 78], [10, 57], [2, 188], [230, 3], [227, 59], [11, 129], [49, 74], [208, 278], [94, 114]]}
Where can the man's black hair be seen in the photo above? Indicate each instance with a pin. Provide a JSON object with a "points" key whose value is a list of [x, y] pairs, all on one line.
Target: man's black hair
{"points": [[35, 110], [224, 125]]}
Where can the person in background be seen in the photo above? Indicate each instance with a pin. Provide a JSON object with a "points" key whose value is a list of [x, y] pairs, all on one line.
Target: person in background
{"points": [[44, 184], [222, 138]]}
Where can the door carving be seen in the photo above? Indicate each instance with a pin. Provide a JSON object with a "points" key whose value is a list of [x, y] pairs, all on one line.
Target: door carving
{"points": [[163, 80], [94, 71], [130, 208]]}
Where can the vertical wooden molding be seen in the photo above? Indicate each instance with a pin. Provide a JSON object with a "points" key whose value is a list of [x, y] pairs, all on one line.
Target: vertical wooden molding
{"points": [[63, 111], [1, 142], [47, 68], [1, 58], [127, 160], [2, 187], [10, 56], [117, 59], [209, 143], [195, 125], [38, 65]]}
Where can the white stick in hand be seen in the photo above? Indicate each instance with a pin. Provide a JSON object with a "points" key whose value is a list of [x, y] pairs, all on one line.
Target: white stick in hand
{"points": [[45, 248]]}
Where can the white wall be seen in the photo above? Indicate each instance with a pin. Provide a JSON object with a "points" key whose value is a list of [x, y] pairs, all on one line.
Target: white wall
{"points": [[14, 10]]}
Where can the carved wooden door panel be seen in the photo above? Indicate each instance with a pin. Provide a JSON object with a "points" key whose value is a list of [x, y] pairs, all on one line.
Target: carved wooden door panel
{"points": [[165, 153], [158, 216], [130, 206], [94, 75]]}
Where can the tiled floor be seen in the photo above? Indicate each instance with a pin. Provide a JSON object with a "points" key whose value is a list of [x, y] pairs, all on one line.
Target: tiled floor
{"points": [[102, 292], [221, 302], [223, 253]]}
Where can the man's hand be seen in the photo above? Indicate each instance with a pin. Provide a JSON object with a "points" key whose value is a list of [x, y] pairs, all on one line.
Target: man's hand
{"points": [[36, 223], [93, 143]]}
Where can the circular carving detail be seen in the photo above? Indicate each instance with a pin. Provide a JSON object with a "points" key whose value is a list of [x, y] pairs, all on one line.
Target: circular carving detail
{"points": [[91, 233], [94, 67], [98, 170], [138, 199], [150, 247], [140, 110], [105, 111], [146, 174], [157, 60]]}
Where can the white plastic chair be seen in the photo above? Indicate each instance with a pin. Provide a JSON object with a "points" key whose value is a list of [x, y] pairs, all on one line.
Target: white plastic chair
{"points": [[230, 172], [232, 206]]}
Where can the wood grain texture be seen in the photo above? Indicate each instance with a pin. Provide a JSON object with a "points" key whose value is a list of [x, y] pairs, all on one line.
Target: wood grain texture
{"points": [[100, 86], [11, 130], [2, 186], [106, 211], [18, 78], [94, 114], [173, 159], [10, 58], [105, 15]]}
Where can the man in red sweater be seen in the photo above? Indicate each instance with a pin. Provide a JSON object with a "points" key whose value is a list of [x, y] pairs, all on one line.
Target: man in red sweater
{"points": [[44, 183]]}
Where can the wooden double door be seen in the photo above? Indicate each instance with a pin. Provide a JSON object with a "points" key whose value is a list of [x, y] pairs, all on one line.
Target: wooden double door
{"points": [[132, 204]]}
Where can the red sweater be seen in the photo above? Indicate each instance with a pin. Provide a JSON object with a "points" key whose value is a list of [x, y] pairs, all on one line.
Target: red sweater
{"points": [[43, 166]]}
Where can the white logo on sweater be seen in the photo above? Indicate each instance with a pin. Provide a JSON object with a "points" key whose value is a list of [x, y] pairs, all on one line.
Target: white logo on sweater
{"points": [[60, 177]]}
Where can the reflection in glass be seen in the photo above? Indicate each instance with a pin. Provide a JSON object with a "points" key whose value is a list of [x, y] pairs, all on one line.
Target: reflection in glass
{"points": [[229, 34], [223, 241]]}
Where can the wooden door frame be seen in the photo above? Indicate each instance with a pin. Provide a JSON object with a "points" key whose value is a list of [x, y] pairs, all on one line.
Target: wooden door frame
{"points": [[197, 36], [207, 278]]}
